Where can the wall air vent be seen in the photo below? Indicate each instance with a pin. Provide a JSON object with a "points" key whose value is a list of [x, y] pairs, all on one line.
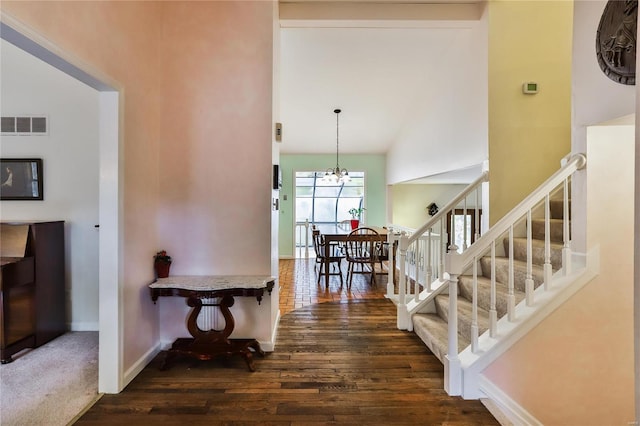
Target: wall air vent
{"points": [[25, 125]]}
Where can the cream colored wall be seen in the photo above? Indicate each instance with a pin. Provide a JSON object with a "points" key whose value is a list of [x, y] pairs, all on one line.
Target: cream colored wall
{"points": [[410, 201], [576, 367], [528, 134], [196, 85]]}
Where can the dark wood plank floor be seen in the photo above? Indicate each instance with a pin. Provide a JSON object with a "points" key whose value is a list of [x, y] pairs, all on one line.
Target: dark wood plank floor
{"points": [[338, 362]]}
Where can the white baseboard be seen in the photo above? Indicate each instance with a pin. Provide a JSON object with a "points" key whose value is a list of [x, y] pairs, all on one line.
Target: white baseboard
{"points": [[270, 345], [84, 326], [507, 411], [139, 365]]}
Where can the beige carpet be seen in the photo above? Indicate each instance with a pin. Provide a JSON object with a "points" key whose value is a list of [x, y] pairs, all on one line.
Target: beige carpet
{"points": [[50, 385]]}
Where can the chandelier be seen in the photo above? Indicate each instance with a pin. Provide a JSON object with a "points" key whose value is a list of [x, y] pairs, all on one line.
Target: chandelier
{"points": [[336, 175]]}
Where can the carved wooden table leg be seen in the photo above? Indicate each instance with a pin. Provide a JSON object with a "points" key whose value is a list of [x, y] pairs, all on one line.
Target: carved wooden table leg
{"points": [[208, 344]]}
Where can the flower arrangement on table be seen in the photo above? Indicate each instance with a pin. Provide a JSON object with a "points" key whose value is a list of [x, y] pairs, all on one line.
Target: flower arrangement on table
{"points": [[355, 216], [162, 263], [356, 212]]}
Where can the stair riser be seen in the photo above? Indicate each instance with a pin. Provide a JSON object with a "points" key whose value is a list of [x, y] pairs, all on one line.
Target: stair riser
{"points": [[433, 331], [555, 229], [520, 252], [464, 320], [556, 208], [484, 295], [519, 272]]}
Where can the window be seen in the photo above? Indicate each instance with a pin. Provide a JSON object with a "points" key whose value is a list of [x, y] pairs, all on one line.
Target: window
{"points": [[324, 203], [327, 203], [457, 222]]}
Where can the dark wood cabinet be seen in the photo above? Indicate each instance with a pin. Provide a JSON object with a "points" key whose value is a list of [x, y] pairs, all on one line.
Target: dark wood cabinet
{"points": [[32, 289]]}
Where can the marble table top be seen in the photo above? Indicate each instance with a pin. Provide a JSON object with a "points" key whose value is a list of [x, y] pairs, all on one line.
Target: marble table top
{"points": [[212, 282]]}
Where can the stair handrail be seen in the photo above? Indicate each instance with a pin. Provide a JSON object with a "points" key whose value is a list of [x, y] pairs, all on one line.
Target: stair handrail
{"points": [[405, 241], [484, 177], [576, 162]]}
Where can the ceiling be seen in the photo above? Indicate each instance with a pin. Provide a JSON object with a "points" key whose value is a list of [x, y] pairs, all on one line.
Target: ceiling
{"points": [[373, 68]]}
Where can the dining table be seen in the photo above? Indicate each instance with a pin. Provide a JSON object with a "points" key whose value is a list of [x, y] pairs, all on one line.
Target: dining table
{"points": [[335, 234]]}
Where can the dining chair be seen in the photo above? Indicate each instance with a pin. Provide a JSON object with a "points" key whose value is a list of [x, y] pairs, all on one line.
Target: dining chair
{"points": [[362, 248], [323, 263]]}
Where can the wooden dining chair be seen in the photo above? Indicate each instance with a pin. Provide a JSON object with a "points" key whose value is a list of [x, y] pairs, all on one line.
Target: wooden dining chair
{"points": [[362, 248], [335, 258]]}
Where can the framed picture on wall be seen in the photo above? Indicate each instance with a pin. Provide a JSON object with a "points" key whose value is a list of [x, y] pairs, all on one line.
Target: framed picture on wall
{"points": [[21, 179]]}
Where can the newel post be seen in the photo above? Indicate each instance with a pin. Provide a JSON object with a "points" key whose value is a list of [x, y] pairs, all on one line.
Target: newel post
{"points": [[391, 270], [403, 313], [452, 366]]}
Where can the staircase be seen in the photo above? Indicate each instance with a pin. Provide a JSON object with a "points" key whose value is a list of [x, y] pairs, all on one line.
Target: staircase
{"points": [[470, 307], [432, 328]]}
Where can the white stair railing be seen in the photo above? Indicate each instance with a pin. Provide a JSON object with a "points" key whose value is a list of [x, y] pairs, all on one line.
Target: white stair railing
{"points": [[537, 204], [302, 234], [421, 253]]}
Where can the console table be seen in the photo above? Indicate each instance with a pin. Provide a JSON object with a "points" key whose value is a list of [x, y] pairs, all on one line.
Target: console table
{"points": [[208, 344]]}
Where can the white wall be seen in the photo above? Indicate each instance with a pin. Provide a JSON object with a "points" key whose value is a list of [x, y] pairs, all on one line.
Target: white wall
{"points": [[596, 99], [448, 128], [70, 162]]}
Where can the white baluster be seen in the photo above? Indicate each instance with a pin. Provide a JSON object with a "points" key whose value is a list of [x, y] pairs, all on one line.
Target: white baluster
{"points": [[548, 271], [529, 278], [391, 270], [306, 238], [566, 236], [511, 307], [493, 312], [403, 314], [452, 369], [476, 234], [464, 223], [423, 269], [474, 308], [443, 246], [429, 271]]}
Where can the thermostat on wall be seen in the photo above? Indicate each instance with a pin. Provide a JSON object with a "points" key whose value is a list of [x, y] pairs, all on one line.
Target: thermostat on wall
{"points": [[530, 88]]}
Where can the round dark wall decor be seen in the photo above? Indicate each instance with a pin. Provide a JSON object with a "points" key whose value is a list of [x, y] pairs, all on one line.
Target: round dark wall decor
{"points": [[616, 41]]}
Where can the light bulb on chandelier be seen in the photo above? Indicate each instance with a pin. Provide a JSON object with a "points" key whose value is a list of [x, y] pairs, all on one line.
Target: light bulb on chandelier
{"points": [[337, 175]]}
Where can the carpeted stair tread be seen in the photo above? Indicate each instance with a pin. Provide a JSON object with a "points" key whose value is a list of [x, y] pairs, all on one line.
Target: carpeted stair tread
{"points": [[519, 272], [464, 314], [520, 251], [432, 328], [484, 293], [555, 228], [433, 331]]}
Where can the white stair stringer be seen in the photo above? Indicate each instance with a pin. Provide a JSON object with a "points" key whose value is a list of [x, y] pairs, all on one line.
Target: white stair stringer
{"points": [[562, 288]]}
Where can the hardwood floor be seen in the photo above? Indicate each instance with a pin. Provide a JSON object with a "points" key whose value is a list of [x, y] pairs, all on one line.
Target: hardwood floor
{"points": [[339, 359]]}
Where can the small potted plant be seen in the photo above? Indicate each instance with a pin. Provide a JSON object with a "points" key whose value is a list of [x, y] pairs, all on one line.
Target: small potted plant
{"points": [[162, 263], [355, 216]]}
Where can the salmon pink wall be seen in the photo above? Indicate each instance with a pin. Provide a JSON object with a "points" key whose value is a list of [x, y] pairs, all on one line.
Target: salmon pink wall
{"points": [[195, 80], [121, 41], [215, 143], [214, 211]]}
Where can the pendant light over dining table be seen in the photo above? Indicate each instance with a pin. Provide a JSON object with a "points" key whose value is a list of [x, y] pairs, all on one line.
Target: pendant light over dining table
{"points": [[337, 175]]}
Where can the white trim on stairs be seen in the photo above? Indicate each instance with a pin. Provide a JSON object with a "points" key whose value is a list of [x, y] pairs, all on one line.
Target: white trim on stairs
{"points": [[503, 408], [562, 289]]}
